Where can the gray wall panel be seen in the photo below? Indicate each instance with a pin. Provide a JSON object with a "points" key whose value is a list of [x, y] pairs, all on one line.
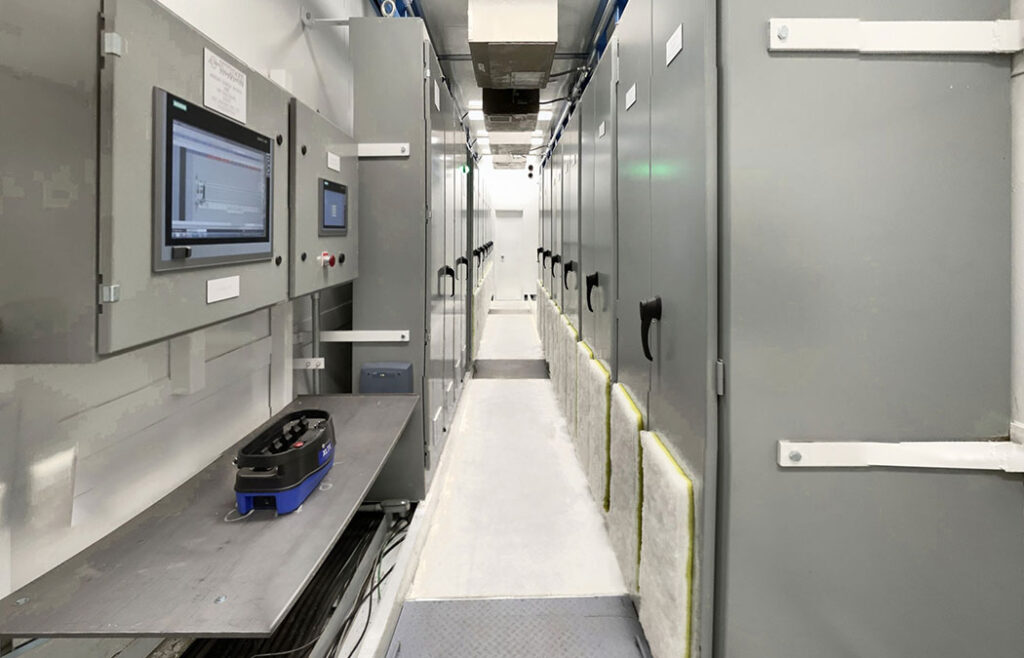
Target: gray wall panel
{"points": [[866, 213]]}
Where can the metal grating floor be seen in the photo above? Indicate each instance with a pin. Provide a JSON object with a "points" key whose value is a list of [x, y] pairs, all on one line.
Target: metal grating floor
{"points": [[593, 627], [510, 369]]}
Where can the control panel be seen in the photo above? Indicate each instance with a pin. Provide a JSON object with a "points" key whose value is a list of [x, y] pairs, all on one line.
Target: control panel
{"points": [[323, 203]]}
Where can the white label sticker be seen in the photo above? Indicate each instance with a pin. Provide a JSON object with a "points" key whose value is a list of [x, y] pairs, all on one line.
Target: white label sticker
{"points": [[674, 45], [631, 96], [601, 130], [223, 86], [217, 290], [333, 161], [437, 96]]}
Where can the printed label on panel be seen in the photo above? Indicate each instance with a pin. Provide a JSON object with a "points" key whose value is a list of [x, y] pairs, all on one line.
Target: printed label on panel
{"points": [[224, 86]]}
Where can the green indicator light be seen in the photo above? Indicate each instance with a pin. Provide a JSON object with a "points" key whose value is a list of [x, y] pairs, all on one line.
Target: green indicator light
{"points": [[180, 106]]}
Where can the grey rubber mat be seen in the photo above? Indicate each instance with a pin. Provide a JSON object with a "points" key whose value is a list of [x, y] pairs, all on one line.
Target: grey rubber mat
{"points": [[597, 627], [509, 311], [510, 369]]}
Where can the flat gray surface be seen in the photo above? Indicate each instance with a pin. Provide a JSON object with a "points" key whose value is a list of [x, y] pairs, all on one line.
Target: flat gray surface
{"points": [[519, 628], [162, 573], [510, 369], [865, 288], [510, 311]]}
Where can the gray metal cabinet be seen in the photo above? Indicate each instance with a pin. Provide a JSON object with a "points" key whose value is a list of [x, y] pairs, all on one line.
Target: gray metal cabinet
{"points": [[547, 220], [569, 271], [865, 296], [634, 193], [599, 271], [407, 234]]}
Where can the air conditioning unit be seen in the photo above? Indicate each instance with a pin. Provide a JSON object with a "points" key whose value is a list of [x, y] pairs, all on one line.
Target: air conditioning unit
{"points": [[512, 42]]}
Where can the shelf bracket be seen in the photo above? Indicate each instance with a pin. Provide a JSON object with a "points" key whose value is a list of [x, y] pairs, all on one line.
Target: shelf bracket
{"points": [[309, 363], [1004, 456], [309, 19], [894, 37]]}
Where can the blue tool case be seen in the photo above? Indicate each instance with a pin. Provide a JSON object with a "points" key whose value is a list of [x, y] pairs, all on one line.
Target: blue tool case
{"points": [[283, 465]]}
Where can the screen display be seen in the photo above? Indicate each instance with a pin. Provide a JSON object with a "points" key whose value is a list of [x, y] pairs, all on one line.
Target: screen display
{"points": [[333, 207], [218, 179]]}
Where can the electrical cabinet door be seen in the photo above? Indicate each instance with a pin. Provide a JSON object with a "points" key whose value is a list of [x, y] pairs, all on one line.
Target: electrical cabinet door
{"points": [[436, 276], [546, 221], [598, 276], [865, 296], [588, 142], [453, 142], [569, 274], [684, 220], [557, 220], [634, 194]]}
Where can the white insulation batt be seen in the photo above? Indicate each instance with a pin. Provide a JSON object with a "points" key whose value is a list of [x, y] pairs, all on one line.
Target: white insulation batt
{"points": [[595, 388], [666, 551], [568, 380], [624, 488]]}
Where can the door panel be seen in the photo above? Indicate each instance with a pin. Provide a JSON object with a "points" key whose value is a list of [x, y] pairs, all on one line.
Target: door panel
{"points": [[683, 402], [558, 213], [600, 239], [434, 404], [634, 193], [865, 287], [568, 284]]}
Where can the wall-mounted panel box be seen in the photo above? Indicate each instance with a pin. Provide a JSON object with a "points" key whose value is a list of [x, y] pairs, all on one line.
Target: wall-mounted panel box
{"points": [[323, 203], [143, 181]]}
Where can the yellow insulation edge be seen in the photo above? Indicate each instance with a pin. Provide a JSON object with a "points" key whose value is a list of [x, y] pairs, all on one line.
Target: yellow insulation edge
{"points": [[689, 551]]}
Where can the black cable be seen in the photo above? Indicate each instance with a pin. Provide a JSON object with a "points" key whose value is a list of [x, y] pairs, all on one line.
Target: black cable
{"points": [[554, 100]]}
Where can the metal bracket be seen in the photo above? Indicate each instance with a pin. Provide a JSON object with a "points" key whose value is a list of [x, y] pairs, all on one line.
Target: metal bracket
{"points": [[1005, 456], [113, 44], [396, 150], [400, 336], [110, 294], [311, 363], [309, 20], [894, 37]]}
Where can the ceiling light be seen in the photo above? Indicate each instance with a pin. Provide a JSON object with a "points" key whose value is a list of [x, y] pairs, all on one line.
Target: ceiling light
{"points": [[536, 141], [482, 133], [476, 115], [545, 115], [483, 140], [476, 105], [538, 133]]}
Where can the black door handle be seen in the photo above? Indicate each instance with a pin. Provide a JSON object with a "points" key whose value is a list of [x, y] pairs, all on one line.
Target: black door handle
{"points": [[650, 310], [540, 252], [462, 260], [593, 281], [476, 254], [450, 271], [547, 255], [569, 267], [555, 260]]}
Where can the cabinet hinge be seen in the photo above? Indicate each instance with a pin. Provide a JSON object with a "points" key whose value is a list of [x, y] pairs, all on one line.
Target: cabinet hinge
{"points": [[720, 377], [110, 294], [113, 44], [429, 215]]}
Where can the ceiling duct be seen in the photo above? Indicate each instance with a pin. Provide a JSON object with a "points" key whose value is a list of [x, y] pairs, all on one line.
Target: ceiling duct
{"points": [[511, 109], [512, 42]]}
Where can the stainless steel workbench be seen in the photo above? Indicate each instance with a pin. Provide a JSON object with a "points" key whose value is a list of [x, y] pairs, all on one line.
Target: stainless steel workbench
{"points": [[181, 569]]}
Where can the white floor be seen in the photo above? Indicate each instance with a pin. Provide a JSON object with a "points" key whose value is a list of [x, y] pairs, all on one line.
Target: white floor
{"points": [[510, 336], [514, 516]]}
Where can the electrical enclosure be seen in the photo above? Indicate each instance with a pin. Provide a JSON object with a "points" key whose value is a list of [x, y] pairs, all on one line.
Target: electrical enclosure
{"points": [[323, 203], [83, 274]]}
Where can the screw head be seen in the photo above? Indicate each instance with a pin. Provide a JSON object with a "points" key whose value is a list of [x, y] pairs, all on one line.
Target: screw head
{"points": [[404, 149], [783, 32], [21, 601], [795, 456], [220, 599]]}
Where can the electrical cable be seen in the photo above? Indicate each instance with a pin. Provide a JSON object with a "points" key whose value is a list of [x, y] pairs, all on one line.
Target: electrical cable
{"points": [[554, 100]]}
